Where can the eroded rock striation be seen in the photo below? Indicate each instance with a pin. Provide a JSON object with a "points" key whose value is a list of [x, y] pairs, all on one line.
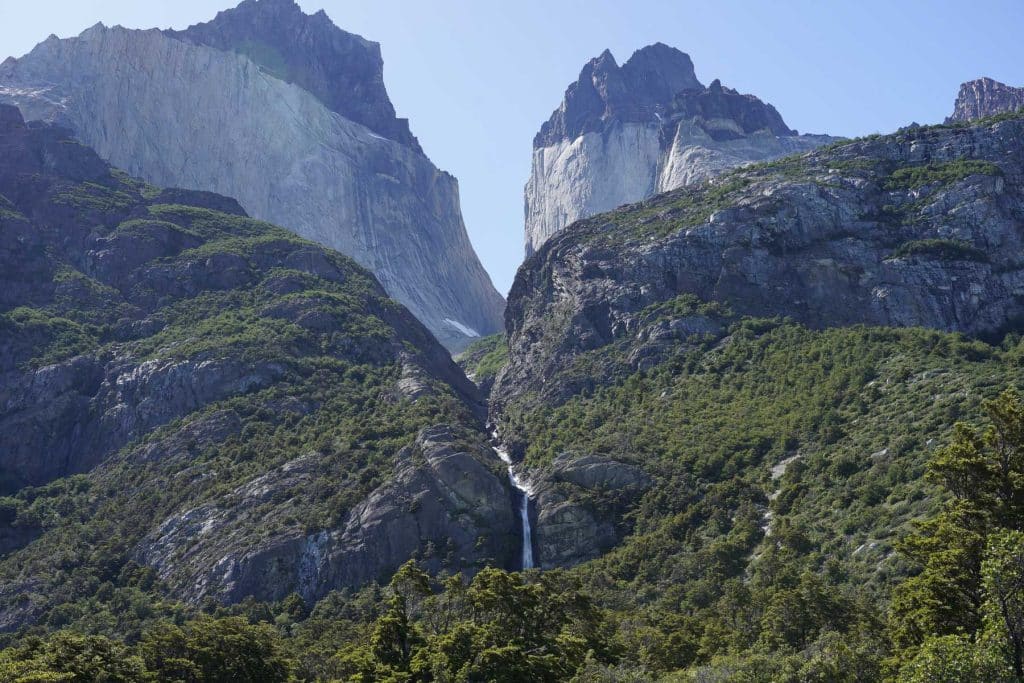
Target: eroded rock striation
{"points": [[288, 114], [985, 97], [623, 134]]}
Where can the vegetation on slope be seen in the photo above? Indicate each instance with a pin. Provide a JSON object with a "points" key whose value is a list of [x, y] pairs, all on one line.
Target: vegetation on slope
{"points": [[484, 358], [185, 352]]}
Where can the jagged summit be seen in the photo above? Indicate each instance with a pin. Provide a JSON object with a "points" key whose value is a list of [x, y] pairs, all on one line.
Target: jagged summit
{"points": [[985, 97], [639, 90], [656, 85], [624, 133], [343, 70]]}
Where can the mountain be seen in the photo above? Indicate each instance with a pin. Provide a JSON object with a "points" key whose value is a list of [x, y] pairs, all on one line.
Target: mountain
{"points": [[288, 114], [623, 134], [776, 357], [985, 97], [208, 400], [731, 407], [919, 228]]}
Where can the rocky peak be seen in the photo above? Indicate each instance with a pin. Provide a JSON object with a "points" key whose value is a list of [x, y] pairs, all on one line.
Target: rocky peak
{"points": [[985, 97], [659, 72], [626, 133], [343, 70], [639, 90], [717, 103], [657, 85]]}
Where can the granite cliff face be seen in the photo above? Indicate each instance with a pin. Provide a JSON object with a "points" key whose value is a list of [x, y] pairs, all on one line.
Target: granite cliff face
{"points": [[286, 113], [341, 69], [247, 412], [985, 97], [623, 134], [580, 503], [919, 228]]}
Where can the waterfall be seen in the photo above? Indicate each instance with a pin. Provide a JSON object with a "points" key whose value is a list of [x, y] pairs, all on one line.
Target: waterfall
{"points": [[525, 491]]}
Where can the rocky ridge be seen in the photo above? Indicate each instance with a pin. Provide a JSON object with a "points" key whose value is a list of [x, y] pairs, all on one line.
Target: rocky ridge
{"points": [[286, 113], [919, 228], [985, 97], [623, 134]]}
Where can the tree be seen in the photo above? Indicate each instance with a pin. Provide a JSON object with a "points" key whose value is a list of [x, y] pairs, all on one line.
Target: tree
{"points": [[207, 650], [983, 470], [955, 658], [73, 658], [1003, 574]]}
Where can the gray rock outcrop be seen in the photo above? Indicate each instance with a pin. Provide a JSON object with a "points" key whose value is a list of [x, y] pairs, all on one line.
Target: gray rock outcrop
{"points": [[623, 134], [985, 97], [286, 113], [448, 503], [578, 507]]}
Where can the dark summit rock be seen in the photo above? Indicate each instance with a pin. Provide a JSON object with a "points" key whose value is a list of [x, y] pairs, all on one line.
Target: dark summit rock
{"points": [[717, 102], [985, 97], [343, 70], [638, 91], [10, 117], [626, 133], [657, 84]]}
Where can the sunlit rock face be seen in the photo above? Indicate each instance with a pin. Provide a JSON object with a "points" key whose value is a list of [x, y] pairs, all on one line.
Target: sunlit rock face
{"points": [[288, 114], [985, 97], [623, 134]]}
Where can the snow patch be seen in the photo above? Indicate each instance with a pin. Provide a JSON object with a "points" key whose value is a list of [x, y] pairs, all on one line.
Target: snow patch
{"points": [[464, 329]]}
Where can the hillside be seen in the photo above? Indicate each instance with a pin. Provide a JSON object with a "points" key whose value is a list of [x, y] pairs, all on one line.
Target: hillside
{"points": [[200, 406], [757, 347], [762, 425]]}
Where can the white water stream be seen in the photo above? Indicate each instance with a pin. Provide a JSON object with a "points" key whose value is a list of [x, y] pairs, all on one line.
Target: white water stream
{"points": [[523, 487]]}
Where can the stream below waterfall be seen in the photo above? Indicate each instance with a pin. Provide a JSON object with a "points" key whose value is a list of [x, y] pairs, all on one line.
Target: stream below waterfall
{"points": [[525, 491]]}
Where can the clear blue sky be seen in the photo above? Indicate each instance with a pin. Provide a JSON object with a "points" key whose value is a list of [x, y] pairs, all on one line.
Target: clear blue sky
{"points": [[478, 77]]}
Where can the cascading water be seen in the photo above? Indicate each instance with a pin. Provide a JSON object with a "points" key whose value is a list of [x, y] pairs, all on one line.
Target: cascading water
{"points": [[525, 492]]}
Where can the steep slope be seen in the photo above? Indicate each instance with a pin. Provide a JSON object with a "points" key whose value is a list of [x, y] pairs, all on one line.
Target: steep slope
{"points": [[286, 113], [251, 412], [623, 134], [342, 70], [724, 396], [918, 228], [985, 97]]}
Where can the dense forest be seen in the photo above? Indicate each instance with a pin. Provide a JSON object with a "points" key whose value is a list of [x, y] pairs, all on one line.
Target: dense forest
{"points": [[720, 578]]}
